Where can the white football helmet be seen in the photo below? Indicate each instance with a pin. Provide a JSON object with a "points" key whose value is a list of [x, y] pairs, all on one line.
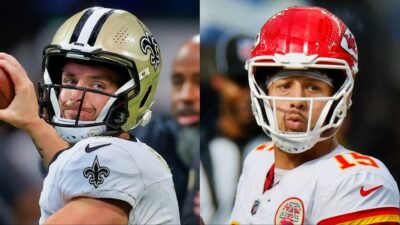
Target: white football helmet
{"points": [[303, 39]]}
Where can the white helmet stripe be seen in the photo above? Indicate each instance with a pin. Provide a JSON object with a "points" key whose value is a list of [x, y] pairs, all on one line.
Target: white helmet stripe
{"points": [[91, 23]]}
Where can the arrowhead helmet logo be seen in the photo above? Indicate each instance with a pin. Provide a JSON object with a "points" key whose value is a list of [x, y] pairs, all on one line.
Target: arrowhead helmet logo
{"points": [[348, 43], [96, 173]]}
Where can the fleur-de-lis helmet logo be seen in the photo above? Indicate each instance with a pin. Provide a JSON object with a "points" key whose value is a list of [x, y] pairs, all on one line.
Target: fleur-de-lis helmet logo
{"points": [[96, 173], [148, 43]]}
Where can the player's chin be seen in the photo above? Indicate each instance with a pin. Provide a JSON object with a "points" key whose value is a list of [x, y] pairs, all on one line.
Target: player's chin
{"points": [[84, 116], [295, 126]]}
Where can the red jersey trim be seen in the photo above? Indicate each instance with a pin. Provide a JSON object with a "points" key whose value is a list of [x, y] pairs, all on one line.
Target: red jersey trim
{"points": [[389, 215], [269, 146]]}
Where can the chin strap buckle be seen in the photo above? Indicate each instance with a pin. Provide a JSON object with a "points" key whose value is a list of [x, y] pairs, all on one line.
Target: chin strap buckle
{"points": [[146, 118]]}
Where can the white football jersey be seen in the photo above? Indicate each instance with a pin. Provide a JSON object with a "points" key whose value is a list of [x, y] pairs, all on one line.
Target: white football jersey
{"points": [[108, 167], [340, 187]]}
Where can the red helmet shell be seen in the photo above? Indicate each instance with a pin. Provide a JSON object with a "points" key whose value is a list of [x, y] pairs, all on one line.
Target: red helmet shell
{"points": [[307, 30]]}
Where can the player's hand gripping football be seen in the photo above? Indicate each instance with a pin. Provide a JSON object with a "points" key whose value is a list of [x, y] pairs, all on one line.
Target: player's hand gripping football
{"points": [[23, 109], [22, 112]]}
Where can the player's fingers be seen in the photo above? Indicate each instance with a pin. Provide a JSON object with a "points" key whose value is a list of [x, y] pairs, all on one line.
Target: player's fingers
{"points": [[9, 58], [11, 71], [18, 77], [14, 62]]}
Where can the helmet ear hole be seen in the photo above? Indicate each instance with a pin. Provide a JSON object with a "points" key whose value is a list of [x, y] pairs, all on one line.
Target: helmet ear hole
{"points": [[145, 97], [118, 114], [120, 117]]}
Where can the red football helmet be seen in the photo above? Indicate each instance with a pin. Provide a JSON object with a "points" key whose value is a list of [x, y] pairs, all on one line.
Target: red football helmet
{"points": [[303, 39]]}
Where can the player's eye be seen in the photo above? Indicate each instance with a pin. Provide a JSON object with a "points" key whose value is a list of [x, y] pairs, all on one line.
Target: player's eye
{"points": [[283, 87], [177, 80], [314, 88], [68, 81], [99, 86]]}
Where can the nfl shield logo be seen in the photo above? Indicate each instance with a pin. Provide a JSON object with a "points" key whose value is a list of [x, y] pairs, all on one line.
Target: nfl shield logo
{"points": [[255, 207]]}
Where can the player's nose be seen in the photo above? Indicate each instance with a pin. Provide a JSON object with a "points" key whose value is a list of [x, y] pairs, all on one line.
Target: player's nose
{"points": [[297, 92]]}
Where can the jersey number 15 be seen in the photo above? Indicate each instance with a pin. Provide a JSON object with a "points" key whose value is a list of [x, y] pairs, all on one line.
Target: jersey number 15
{"points": [[356, 159]]}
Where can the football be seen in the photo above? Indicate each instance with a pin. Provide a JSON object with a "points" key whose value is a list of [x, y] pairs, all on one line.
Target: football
{"points": [[6, 89]]}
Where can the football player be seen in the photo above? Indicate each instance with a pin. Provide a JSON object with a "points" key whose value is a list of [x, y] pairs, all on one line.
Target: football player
{"points": [[100, 73], [301, 75]]}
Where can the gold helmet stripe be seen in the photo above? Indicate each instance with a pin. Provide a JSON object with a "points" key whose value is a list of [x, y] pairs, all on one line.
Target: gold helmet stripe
{"points": [[97, 27]]}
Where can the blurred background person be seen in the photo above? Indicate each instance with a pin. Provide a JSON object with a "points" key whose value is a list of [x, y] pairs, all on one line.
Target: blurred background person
{"points": [[229, 130], [176, 137], [25, 38], [372, 124]]}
